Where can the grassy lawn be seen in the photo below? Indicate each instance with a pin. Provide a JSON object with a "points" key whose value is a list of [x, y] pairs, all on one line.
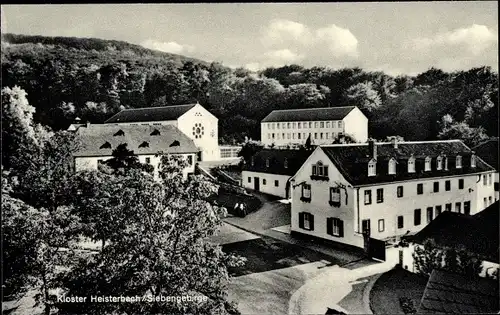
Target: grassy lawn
{"points": [[267, 254], [391, 286]]}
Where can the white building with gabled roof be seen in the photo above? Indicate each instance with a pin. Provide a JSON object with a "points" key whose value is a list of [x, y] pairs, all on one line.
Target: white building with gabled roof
{"points": [[97, 142], [192, 119], [386, 190], [322, 125]]}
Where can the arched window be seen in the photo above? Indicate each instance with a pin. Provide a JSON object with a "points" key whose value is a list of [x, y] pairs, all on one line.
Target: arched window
{"points": [[411, 165], [427, 164], [439, 163], [372, 167], [473, 161], [392, 166], [319, 169]]}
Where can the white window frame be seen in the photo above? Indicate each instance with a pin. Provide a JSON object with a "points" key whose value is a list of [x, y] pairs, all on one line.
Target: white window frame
{"points": [[473, 161], [439, 162], [336, 227], [392, 166], [383, 225], [372, 168], [458, 163], [307, 221], [411, 165], [428, 161], [368, 197], [335, 194], [306, 191]]}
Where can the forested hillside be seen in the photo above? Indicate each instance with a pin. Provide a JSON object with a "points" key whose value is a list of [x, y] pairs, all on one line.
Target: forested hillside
{"points": [[92, 79]]}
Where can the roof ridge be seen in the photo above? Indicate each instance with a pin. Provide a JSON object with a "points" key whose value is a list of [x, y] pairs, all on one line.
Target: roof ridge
{"points": [[296, 109], [154, 107]]}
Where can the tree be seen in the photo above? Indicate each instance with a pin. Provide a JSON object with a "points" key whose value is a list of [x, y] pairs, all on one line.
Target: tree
{"points": [[461, 130], [47, 181], [364, 96], [347, 138], [22, 139], [36, 243], [305, 95], [427, 257], [430, 257], [161, 249], [124, 159], [249, 149]]}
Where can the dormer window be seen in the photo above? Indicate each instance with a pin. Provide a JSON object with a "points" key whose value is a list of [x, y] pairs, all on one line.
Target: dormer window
{"points": [[175, 144], [439, 163], [427, 164], [267, 162], [285, 163], [445, 162], [145, 144], [106, 145], [119, 133], [319, 170], [372, 167], [392, 166], [155, 133], [458, 161], [411, 165], [473, 161]]}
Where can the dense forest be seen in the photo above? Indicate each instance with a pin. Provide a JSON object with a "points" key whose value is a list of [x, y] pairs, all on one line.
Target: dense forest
{"points": [[92, 79]]}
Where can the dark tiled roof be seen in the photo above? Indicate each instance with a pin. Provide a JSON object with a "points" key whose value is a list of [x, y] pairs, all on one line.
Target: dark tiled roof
{"points": [[309, 114], [276, 157], [477, 234], [488, 151], [150, 114], [352, 160], [135, 136], [450, 293]]}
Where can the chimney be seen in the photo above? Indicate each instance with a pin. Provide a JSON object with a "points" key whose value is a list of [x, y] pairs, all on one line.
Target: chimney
{"points": [[88, 124], [394, 142], [372, 147]]}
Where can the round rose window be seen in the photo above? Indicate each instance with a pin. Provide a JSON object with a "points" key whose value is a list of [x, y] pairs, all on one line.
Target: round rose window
{"points": [[198, 130]]}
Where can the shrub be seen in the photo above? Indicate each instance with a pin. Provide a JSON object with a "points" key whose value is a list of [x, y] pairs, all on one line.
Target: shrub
{"points": [[407, 305]]}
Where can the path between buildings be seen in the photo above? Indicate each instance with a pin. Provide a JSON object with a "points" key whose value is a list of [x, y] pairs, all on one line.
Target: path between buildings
{"points": [[328, 288], [332, 286]]}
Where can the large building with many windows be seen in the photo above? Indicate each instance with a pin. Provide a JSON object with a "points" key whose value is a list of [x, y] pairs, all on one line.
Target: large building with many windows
{"points": [[488, 151], [386, 190], [322, 125]]}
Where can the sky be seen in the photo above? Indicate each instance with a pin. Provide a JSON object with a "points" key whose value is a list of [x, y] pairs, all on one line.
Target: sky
{"points": [[394, 37]]}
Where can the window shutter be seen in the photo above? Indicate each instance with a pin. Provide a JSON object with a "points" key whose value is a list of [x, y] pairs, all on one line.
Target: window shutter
{"points": [[312, 222], [341, 228], [329, 226], [325, 170], [301, 220]]}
